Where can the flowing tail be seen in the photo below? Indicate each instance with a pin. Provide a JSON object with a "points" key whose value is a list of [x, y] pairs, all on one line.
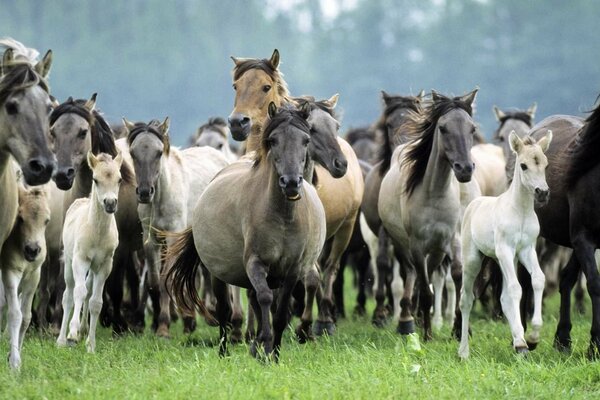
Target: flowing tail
{"points": [[183, 264]]}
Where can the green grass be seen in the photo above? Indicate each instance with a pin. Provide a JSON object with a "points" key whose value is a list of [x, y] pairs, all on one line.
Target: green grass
{"points": [[359, 362]]}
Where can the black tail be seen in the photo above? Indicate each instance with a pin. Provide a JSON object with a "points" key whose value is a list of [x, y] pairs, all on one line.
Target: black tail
{"points": [[182, 263]]}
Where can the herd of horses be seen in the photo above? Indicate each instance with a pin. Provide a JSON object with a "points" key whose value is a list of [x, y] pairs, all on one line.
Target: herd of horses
{"points": [[100, 224]]}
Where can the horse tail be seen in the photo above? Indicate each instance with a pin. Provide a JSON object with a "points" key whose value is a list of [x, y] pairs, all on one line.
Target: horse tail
{"points": [[183, 262]]}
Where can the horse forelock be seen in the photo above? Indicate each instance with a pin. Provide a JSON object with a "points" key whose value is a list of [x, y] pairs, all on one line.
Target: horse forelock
{"points": [[19, 76], [265, 66], [421, 129]]}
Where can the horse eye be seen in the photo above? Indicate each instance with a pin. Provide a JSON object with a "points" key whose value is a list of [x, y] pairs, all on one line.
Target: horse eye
{"points": [[219, 146], [443, 130], [120, 180], [234, 86], [46, 221], [159, 154], [501, 138], [50, 108], [95, 181], [82, 133], [12, 108], [266, 88], [524, 167]]}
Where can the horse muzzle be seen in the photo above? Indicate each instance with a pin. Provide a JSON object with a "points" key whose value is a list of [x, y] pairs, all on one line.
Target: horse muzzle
{"points": [[291, 187], [110, 206], [340, 167], [64, 178], [541, 196], [239, 125], [145, 194], [38, 170], [31, 251], [463, 172]]}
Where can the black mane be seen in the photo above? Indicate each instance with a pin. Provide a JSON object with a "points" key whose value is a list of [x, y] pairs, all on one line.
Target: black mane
{"points": [[583, 151], [19, 76], [523, 116]]}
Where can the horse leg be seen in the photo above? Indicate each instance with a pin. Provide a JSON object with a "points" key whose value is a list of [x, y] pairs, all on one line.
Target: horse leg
{"points": [[67, 302], [164, 319], [338, 289], [382, 270], [122, 259], [437, 279], [432, 263], [311, 285], [250, 323], [43, 297], [579, 294], [585, 249], [59, 290], [237, 316], [511, 296], [397, 289], [95, 303], [257, 273], [406, 323], [28, 288], [529, 259], [362, 267], [282, 315], [11, 280], [472, 260], [524, 279], [152, 254], [80, 269], [223, 312], [450, 311], [568, 276], [84, 322]]}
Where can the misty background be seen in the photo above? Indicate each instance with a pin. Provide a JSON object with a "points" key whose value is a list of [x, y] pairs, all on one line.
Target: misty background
{"points": [[152, 58]]}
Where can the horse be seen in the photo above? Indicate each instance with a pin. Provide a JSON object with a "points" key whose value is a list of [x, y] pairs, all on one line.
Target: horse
{"points": [[506, 228], [365, 143], [258, 82], [169, 182], [21, 257], [397, 109], [419, 201], [257, 239], [90, 238], [214, 134], [570, 218], [24, 105]]}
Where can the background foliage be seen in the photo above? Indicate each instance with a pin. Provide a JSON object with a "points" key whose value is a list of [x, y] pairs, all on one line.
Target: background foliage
{"points": [[151, 58]]}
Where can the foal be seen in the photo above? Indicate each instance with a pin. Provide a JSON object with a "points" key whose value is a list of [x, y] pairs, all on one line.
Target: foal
{"points": [[505, 228], [22, 256], [90, 238]]}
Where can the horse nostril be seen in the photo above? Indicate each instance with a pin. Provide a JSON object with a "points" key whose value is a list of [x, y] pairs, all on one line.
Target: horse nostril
{"points": [[137, 190], [299, 181], [457, 166], [70, 173], [36, 166], [538, 191], [151, 190], [283, 181], [245, 121]]}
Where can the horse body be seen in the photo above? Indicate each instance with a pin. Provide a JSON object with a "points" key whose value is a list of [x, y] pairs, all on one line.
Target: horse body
{"points": [[511, 235]]}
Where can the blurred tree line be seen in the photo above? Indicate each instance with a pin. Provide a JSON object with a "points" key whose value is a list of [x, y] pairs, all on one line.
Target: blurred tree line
{"points": [[152, 58]]}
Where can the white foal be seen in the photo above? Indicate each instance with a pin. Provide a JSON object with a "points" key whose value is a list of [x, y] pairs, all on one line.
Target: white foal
{"points": [[505, 228], [21, 257], [90, 238]]}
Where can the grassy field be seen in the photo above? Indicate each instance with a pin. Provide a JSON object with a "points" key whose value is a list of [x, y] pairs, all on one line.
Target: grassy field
{"points": [[359, 362]]}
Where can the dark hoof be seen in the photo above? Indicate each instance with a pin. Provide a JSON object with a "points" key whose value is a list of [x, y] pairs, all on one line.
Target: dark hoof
{"points": [[120, 326], [236, 336], [406, 327], [562, 345], [189, 325], [593, 352], [532, 345], [304, 333], [324, 327], [522, 351], [359, 311], [72, 342], [249, 336]]}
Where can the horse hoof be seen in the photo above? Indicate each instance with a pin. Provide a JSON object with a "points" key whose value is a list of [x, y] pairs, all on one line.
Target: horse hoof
{"points": [[189, 325], [562, 345], [163, 332], [522, 351], [236, 336], [303, 333], [249, 336], [406, 327], [532, 345], [72, 342], [359, 311], [324, 327]]}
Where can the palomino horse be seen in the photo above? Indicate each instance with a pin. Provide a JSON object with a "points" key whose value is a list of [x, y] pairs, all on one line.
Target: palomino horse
{"points": [[505, 228], [24, 105], [21, 258], [419, 201], [259, 82], [571, 216], [214, 134], [257, 239], [169, 182], [76, 128], [397, 110], [90, 238]]}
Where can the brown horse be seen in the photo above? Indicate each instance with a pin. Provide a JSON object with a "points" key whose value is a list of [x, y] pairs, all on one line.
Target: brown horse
{"points": [[571, 217], [257, 239], [76, 128], [258, 82], [397, 110]]}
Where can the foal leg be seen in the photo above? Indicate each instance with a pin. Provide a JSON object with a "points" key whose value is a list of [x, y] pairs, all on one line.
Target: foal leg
{"points": [[451, 293], [86, 305], [472, 260], [529, 259], [437, 279], [511, 296], [28, 287], [397, 287], [257, 273], [12, 279], [43, 297], [80, 269], [67, 302], [95, 303]]}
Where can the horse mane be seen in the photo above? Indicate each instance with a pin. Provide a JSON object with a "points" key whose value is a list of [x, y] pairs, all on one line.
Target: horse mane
{"points": [[312, 104], [19, 76], [520, 115], [356, 134], [101, 134], [582, 153], [421, 129], [393, 103], [264, 65], [141, 127], [286, 115]]}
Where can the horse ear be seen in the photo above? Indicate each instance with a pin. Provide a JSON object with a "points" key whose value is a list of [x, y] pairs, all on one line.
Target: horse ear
{"points": [[531, 110], [43, 67], [469, 98], [421, 95], [70, 99], [91, 103], [164, 127], [7, 58], [128, 125], [54, 102], [385, 96], [238, 60], [91, 160], [516, 144], [332, 101], [499, 114], [545, 141], [272, 109], [275, 59], [119, 158], [304, 110], [435, 96]]}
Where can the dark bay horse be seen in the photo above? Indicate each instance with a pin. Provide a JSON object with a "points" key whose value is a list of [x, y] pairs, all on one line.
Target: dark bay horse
{"points": [[257, 239], [572, 217]]}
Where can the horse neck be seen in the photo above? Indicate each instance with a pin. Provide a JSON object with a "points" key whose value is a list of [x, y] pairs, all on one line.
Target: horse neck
{"points": [[253, 142], [309, 170], [82, 185], [438, 174], [276, 201], [165, 183], [517, 193], [97, 217]]}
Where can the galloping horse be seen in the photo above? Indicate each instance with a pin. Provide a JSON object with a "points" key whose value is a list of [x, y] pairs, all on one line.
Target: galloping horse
{"points": [[257, 83], [571, 216], [257, 239], [505, 228], [76, 128], [419, 201]]}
